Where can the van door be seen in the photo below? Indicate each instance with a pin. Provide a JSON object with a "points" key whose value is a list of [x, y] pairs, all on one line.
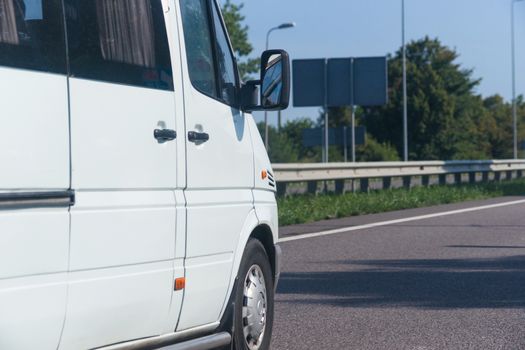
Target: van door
{"points": [[219, 161], [34, 174], [125, 172]]}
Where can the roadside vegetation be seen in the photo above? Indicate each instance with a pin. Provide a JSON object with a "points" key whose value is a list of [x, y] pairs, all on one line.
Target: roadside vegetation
{"points": [[448, 118], [301, 209]]}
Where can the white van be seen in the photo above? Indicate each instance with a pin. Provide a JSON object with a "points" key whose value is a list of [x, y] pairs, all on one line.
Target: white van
{"points": [[137, 201]]}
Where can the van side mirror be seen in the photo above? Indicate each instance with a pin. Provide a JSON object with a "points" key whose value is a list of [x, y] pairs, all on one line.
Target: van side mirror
{"points": [[274, 84], [275, 80]]}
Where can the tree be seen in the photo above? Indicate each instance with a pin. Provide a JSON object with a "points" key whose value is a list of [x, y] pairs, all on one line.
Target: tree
{"points": [[293, 129], [447, 118], [498, 127], [443, 108], [282, 149], [238, 33], [337, 116], [374, 151]]}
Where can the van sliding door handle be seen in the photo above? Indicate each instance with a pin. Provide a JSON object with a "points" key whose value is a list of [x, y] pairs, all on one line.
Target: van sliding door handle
{"points": [[198, 137], [164, 135]]}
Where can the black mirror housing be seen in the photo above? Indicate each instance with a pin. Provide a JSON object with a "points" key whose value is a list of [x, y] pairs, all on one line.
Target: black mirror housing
{"points": [[250, 96], [274, 84]]}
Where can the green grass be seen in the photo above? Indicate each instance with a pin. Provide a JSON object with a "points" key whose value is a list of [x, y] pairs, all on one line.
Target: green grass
{"points": [[301, 209]]}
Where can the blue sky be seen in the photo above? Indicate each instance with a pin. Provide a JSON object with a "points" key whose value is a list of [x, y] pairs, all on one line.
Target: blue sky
{"points": [[478, 29]]}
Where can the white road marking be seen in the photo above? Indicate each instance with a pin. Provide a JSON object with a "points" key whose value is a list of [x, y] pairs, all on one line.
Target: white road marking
{"points": [[397, 221]]}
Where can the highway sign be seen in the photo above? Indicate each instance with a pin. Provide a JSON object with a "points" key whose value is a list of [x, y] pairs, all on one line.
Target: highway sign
{"points": [[337, 136]]}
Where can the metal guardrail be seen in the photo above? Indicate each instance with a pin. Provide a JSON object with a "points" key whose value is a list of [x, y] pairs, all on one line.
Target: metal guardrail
{"points": [[339, 172]]}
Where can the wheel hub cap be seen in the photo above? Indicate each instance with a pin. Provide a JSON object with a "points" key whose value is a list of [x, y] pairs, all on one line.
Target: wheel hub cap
{"points": [[254, 308]]}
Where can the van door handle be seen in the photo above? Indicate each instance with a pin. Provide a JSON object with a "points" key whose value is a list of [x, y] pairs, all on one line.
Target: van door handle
{"points": [[164, 135], [198, 137]]}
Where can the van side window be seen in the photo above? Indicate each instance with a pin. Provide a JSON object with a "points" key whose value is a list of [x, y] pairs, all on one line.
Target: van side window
{"points": [[225, 60], [32, 35], [211, 63], [119, 41], [199, 51]]}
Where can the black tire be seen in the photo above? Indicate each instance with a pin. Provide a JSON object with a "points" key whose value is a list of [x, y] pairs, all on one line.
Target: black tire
{"points": [[254, 255]]}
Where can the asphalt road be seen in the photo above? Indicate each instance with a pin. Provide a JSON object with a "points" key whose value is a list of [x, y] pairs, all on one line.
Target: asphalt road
{"points": [[451, 282]]}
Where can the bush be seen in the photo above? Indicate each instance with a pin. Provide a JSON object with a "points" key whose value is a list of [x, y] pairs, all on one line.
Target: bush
{"points": [[309, 208], [374, 151]]}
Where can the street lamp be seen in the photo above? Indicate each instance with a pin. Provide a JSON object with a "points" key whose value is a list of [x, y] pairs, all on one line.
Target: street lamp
{"points": [[405, 103], [282, 26], [514, 107]]}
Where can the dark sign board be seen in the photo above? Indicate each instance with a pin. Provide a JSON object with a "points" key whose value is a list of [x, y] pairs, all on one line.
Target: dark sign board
{"points": [[370, 81], [336, 136], [339, 82], [309, 83], [315, 136]]}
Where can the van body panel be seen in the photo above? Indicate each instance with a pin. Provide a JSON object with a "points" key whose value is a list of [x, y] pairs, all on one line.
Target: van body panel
{"points": [[34, 249], [117, 304], [177, 298], [113, 146], [261, 161], [248, 228], [178, 94], [266, 210], [216, 218], [219, 182], [265, 204], [206, 289], [121, 228], [32, 311], [34, 137], [226, 160], [34, 243]]}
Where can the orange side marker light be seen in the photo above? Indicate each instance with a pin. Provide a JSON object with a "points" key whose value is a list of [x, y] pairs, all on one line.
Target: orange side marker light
{"points": [[180, 283], [264, 174]]}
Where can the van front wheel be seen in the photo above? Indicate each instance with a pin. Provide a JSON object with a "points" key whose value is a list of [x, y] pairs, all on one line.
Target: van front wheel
{"points": [[254, 300]]}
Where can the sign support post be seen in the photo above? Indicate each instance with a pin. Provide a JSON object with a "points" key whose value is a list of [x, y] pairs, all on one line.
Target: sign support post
{"points": [[353, 133], [326, 126], [353, 110], [326, 135], [345, 143]]}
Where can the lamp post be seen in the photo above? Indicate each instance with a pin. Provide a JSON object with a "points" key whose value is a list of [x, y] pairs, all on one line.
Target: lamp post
{"points": [[282, 26], [405, 103], [513, 53]]}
